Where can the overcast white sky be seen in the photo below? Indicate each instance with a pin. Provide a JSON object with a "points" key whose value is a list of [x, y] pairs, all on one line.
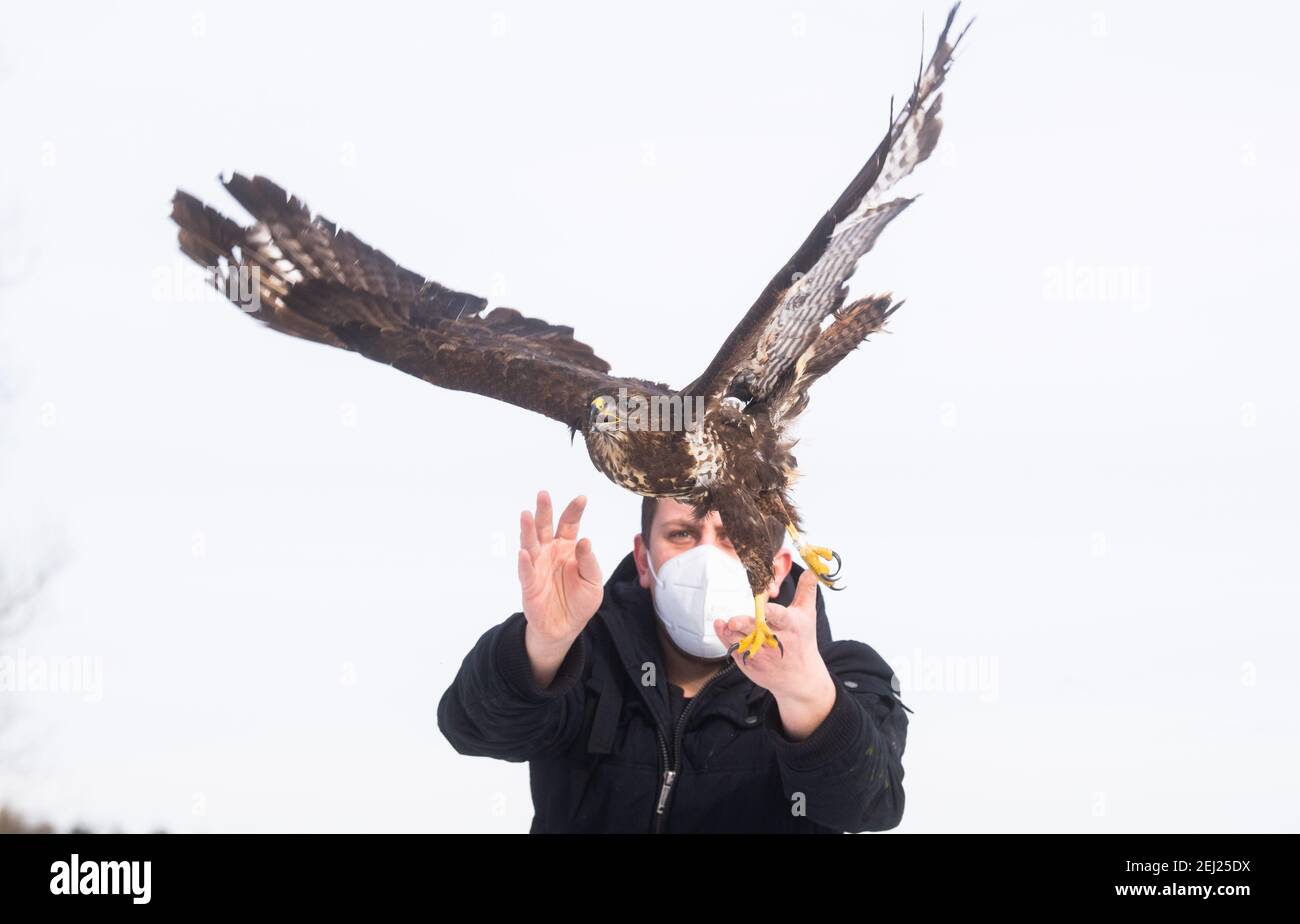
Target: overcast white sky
{"points": [[1064, 487]]}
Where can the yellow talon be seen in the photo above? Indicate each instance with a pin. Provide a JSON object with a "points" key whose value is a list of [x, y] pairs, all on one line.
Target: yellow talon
{"points": [[762, 635], [817, 557]]}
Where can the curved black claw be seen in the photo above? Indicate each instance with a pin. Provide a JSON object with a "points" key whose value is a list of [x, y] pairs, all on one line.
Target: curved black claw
{"points": [[775, 637], [745, 656], [839, 565]]}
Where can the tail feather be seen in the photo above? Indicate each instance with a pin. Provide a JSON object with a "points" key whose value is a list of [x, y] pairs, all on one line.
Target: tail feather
{"points": [[847, 332], [850, 329]]}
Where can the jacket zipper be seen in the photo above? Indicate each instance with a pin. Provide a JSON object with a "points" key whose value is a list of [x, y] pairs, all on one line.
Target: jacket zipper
{"points": [[671, 771]]}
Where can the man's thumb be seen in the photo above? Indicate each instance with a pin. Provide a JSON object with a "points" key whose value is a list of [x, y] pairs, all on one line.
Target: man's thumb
{"points": [[805, 593]]}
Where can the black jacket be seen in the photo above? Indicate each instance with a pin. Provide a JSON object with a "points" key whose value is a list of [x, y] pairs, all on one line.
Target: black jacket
{"points": [[606, 754]]}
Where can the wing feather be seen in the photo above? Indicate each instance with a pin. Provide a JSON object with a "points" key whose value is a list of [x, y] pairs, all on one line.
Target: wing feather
{"points": [[304, 277], [787, 317]]}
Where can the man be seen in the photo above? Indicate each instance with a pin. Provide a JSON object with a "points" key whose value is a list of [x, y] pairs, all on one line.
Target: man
{"points": [[635, 718]]}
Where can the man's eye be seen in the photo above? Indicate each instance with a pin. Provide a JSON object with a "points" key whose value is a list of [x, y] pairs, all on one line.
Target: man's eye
{"points": [[678, 534]]}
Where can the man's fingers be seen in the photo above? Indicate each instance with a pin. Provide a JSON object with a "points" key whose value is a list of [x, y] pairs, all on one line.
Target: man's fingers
{"points": [[727, 634], [776, 616], [733, 629], [528, 535], [543, 518], [527, 574], [570, 518], [737, 627], [588, 566]]}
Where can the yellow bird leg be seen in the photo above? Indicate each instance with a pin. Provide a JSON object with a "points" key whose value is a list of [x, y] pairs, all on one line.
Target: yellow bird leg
{"points": [[817, 558], [762, 635]]}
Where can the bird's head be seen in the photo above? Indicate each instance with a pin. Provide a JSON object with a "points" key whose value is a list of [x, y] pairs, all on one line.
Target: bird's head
{"points": [[604, 419]]}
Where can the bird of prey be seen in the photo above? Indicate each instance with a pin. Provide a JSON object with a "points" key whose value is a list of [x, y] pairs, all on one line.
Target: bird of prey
{"points": [[299, 274]]}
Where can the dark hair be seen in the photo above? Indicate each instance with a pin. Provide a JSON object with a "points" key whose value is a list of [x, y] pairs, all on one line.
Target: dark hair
{"points": [[648, 507], [776, 529]]}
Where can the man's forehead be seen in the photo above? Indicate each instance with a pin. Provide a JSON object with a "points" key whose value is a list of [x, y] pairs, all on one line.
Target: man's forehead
{"points": [[672, 511]]}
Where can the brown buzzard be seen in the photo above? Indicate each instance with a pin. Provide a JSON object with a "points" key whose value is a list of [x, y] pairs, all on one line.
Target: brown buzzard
{"points": [[298, 274]]}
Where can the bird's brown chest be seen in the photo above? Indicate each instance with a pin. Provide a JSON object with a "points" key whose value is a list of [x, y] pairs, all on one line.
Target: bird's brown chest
{"points": [[655, 463], [737, 451], [725, 450]]}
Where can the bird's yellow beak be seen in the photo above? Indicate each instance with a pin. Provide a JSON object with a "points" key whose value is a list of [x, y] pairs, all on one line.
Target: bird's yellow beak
{"points": [[602, 407]]}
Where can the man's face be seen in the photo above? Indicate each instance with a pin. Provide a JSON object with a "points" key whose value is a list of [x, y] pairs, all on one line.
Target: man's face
{"points": [[676, 530]]}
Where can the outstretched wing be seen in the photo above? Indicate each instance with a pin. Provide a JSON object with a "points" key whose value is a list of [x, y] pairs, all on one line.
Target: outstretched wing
{"points": [[787, 318], [299, 274]]}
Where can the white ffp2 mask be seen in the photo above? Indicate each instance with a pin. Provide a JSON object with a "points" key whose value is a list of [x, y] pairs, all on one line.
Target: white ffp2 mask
{"points": [[693, 589]]}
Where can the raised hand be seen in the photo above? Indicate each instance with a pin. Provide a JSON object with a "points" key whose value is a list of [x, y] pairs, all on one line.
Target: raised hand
{"points": [[560, 580], [797, 678]]}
